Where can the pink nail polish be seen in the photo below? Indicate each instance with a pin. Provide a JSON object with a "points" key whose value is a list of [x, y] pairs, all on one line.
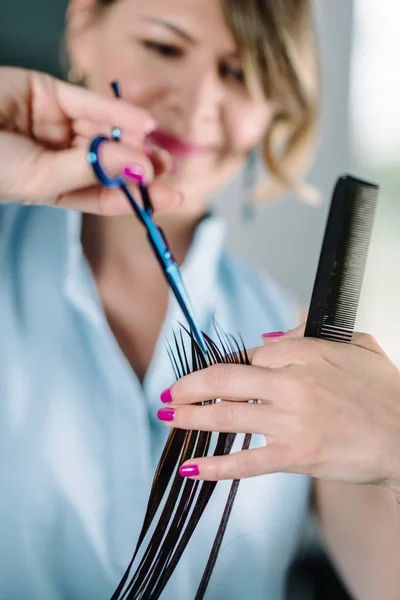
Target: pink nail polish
{"points": [[189, 471], [148, 150], [166, 414], [135, 173], [273, 334], [166, 396]]}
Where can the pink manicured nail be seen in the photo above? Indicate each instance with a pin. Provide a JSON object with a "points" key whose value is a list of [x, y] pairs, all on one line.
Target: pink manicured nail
{"points": [[135, 173], [166, 414], [189, 471], [166, 396], [148, 150], [274, 334]]}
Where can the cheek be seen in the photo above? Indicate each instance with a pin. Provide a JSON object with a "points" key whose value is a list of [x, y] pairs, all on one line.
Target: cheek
{"points": [[115, 61], [247, 126]]}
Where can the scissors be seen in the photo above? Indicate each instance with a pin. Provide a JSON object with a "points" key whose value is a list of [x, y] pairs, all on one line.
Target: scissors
{"points": [[155, 234]]}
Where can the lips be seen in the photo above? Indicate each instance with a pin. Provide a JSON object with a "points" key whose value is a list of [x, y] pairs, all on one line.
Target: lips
{"points": [[175, 145]]}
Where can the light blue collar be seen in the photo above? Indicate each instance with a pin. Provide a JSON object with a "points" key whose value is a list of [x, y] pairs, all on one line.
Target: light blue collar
{"points": [[199, 271]]}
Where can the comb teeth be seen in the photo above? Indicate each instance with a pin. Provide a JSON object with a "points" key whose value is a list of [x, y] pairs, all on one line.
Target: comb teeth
{"points": [[342, 263]]}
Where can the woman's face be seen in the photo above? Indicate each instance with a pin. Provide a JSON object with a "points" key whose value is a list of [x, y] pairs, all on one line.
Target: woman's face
{"points": [[178, 59]]}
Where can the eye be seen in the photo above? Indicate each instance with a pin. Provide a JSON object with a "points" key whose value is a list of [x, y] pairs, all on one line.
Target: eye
{"points": [[167, 50], [236, 73]]}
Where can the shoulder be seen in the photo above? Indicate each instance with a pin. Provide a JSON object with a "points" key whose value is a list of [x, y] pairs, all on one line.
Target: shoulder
{"points": [[255, 302]]}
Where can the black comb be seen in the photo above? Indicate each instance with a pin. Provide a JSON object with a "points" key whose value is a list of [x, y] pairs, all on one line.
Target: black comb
{"points": [[337, 288]]}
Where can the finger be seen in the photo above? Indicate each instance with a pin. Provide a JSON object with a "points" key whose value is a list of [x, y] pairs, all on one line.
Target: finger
{"points": [[223, 417], [162, 160], [240, 465], [236, 382], [305, 346], [274, 337], [90, 129], [58, 173], [296, 332], [80, 103], [302, 351], [101, 201]]}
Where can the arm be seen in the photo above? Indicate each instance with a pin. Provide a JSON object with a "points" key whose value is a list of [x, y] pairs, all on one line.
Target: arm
{"points": [[361, 528]]}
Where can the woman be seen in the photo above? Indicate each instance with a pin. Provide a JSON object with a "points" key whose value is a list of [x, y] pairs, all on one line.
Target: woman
{"points": [[85, 309]]}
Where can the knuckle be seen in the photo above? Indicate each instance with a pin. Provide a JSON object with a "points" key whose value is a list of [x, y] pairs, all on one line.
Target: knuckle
{"points": [[247, 465], [262, 356], [218, 470], [216, 379], [185, 417], [224, 415], [307, 383], [301, 385], [310, 347]]}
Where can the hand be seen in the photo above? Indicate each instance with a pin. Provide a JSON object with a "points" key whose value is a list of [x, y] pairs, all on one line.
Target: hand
{"points": [[328, 410], [46, 127]]}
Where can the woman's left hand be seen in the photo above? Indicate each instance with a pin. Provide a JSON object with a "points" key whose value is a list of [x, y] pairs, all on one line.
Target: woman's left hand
{"points": [[328, 410]]}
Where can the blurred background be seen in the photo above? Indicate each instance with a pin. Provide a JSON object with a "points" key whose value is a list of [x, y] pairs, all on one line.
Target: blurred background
{"points": [[360, 134]]}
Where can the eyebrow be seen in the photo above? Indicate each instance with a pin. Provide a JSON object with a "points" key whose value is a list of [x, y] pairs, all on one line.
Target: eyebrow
{"points": [[171, 27]]}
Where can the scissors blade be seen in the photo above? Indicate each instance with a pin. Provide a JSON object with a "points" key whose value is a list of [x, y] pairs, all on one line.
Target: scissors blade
{"points": [[175, 281]]}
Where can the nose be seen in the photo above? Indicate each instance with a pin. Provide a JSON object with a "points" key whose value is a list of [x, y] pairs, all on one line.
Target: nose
{"points": [[198, 96]]}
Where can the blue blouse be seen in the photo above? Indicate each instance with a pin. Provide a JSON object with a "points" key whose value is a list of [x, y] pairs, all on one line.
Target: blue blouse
{"points": [[79, 437]]}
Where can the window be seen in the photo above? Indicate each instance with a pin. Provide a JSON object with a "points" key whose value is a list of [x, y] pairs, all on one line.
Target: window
{"points": [[375, 137]]}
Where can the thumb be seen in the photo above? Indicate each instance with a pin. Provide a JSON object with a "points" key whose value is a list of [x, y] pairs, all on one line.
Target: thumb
{"points": [[292, 333], [362, 340]]}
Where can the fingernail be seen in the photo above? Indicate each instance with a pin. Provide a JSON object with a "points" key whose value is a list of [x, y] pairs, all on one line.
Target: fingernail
{"points": [[135, 173], [189, 471], [166, 414], [274, 334], [148, 150], [166, 396]]}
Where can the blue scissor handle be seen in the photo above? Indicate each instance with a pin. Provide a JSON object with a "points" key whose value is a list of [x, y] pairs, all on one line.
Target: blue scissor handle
{"points": [[155, 235], [93, 157]]}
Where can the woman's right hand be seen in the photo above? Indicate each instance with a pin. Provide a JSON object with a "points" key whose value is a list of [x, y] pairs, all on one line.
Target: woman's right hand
{"points": [[46, 126]]}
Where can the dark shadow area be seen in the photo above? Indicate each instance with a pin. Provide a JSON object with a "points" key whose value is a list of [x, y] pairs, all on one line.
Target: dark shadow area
{"points": [[312, 577]]}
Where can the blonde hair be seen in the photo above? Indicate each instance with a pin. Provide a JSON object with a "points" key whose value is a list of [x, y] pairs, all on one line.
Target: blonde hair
{"points": [[277, 43]]}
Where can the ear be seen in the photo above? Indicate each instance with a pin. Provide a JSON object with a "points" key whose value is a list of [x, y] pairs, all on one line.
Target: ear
{"points": [[79, 34]]}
